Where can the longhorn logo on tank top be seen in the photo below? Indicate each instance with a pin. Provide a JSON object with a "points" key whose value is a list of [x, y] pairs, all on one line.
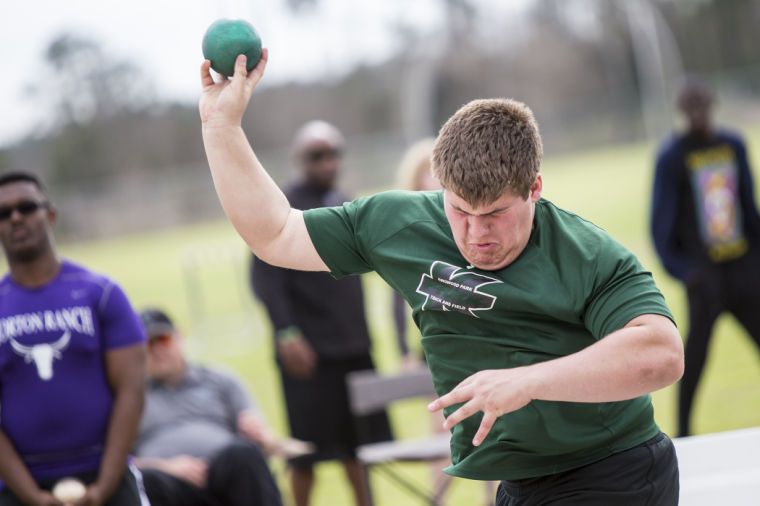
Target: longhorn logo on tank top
{"points": [[450, 288]]}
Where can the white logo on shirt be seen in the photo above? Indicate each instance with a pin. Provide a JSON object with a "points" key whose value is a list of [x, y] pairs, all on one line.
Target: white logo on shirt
{"points": [[449, 288], [42, 354]]}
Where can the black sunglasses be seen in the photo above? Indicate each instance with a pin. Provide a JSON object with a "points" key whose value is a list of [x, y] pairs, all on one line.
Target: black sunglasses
{"points": [[25, 208], [321, 154]]}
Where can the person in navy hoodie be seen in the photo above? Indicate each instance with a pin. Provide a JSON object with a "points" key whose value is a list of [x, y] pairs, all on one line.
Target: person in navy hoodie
{"points": [[72, 364], [706, 229]]}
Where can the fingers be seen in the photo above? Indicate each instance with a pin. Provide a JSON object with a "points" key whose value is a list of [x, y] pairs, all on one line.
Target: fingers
{"points": [[467, 410], [485, 427], [258, 71], [254, 76], [206, 79], [436, 405], [240, 68], [460, 393]]}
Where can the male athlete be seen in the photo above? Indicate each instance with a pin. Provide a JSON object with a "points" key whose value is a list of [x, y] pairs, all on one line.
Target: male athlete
{"points": [[543, 334], [72, 364]]}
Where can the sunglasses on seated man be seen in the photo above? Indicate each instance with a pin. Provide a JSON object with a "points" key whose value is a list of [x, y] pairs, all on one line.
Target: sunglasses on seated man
{"points": [[161, 339]]}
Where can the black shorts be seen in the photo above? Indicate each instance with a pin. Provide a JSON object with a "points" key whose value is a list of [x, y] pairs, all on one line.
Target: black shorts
{"points": [[319, 412], [645, 475]]}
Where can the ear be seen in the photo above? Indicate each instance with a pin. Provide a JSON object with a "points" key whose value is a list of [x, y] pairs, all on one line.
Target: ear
{"points": [[52, 214], [536, 188]]}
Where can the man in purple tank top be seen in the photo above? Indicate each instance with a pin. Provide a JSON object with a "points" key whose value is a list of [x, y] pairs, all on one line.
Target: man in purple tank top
{"points": [[72, 364]]}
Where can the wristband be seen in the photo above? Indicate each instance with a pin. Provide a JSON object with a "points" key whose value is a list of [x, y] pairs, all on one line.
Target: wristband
{"points": [[287, 334]]}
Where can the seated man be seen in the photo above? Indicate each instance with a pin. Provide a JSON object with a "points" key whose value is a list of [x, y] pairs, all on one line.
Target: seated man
{"points": [[199, 437]]}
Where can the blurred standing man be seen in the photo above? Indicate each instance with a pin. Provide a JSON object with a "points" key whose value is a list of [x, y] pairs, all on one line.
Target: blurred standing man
{"points": [[320, 329], [543, 334], [72, 364], [706, 229]]}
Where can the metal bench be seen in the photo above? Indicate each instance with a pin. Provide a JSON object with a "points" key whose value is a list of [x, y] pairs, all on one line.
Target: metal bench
{"points": [[370, 392]]}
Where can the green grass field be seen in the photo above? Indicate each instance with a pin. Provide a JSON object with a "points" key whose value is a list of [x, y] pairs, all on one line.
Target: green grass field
{"points": [[199, 274]]}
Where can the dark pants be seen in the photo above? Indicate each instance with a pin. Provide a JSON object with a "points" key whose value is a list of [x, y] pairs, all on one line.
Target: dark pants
{"points": [[645, 475], [127, 493], [237, 476], [319, 412], [732, 287]]}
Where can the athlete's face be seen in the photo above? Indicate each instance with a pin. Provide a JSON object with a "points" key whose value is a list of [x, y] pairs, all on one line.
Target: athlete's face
{"points": [[492, 236], [26, 221]]}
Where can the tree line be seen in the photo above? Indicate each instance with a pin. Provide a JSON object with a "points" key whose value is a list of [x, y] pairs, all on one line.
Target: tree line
{"points": [[594, 71]]}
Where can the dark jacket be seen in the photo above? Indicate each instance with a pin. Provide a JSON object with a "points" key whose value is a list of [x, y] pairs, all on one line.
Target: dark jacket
{"points": [[329, 312], [675, 223]]}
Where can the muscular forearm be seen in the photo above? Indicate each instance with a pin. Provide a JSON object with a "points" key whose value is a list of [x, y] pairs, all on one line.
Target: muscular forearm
{"points": [[122, 430], [253, 202], [257, 208], [630, 362], [125, 368], [250, 198], [14, 472], [646, 355]]}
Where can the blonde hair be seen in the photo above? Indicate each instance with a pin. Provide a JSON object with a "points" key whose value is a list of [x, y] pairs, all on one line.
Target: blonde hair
{"points": [[414, 164], [487, 148]]}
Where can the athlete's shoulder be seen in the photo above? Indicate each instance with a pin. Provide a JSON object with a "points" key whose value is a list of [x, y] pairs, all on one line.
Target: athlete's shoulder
{"points": [[86, 284], [668, 148], [379, 217], [731, 136], [394, 210], [402, 200], [560, 228], [72, 272], [552, 213], [578, 248], [6, 284]]}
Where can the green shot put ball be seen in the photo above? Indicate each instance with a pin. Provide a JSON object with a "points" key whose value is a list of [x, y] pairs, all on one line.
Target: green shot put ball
{"points": [[225, 39]]}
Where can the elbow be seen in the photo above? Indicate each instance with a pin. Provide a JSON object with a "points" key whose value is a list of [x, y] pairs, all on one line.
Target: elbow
{"points": [[663, 365], [670, 364], [659, 373], [675, 354], [673, 366]]}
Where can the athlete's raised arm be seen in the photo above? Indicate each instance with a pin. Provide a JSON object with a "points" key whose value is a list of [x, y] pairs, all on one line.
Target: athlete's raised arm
{"points": [[252, 201]]}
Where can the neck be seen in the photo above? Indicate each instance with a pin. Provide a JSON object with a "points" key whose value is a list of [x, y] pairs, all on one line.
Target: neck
{"points": [[701, 134], [175, 377], [37, 272]]}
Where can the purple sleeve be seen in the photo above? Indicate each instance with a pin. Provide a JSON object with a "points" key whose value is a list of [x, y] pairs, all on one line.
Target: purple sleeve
{"points": [[119, 324]]}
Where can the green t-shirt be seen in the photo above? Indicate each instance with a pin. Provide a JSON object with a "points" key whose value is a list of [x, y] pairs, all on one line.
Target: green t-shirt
{"points": [[572, 285]]}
